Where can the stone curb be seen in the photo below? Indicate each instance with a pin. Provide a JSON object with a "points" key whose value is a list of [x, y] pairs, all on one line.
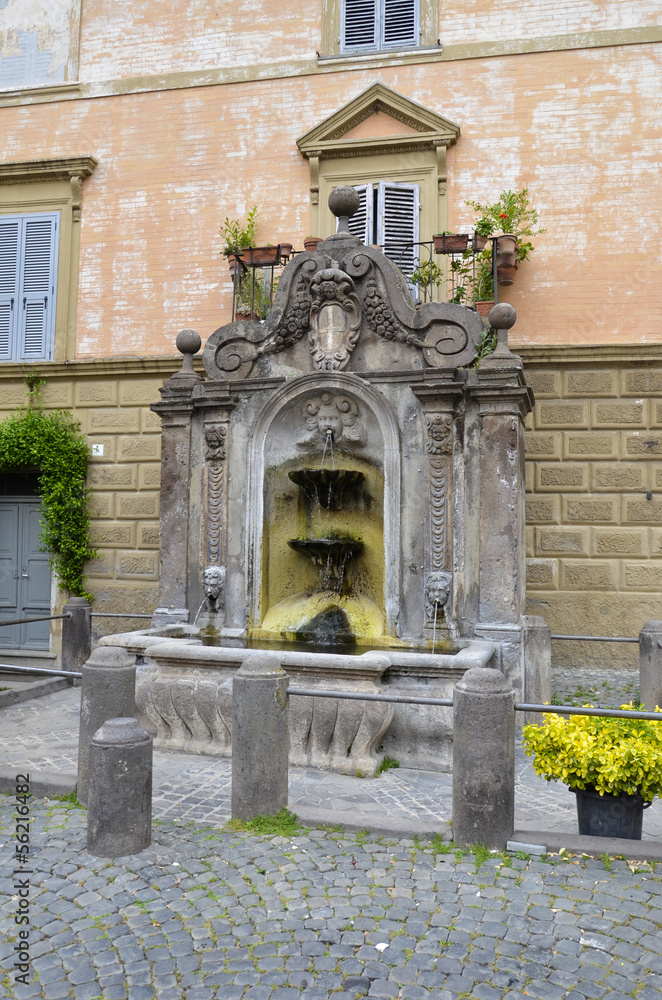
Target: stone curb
{"points": [[43, 784], [356, 820], [636, 850], [36, 690]]}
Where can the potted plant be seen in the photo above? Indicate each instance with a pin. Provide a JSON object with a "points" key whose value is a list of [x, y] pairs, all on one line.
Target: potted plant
{"points": [[312, 242], [512, 219], [448, 242], [614, 766], [452, 243], [239, 243], [426, 276], [237, 236]]}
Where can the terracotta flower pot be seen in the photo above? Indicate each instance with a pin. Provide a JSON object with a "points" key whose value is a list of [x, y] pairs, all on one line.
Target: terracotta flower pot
{"points": [[232, 263], [259, 255], [506, 250], [312, 242], [477, 242], [483, 308], [450, 242], [506, 275]]}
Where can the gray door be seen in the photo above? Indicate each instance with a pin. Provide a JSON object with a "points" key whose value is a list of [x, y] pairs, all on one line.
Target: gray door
{"points": [[25, 576]]}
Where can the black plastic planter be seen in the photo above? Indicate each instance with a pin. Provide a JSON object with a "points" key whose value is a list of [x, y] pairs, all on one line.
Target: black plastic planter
{"points": [[609, 815]]}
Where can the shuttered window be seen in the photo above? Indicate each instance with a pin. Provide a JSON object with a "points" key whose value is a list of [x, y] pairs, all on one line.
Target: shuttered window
{"points": [[397, 224], [388, 215], [28, 266], [369, 25]]}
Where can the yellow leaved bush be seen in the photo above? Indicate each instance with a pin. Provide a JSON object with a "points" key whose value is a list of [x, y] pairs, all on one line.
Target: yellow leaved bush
{"points": [[613, 756]]}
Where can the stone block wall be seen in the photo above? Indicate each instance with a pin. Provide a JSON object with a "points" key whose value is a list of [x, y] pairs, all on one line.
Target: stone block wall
{"points": [[594, 508], [111, 402]]}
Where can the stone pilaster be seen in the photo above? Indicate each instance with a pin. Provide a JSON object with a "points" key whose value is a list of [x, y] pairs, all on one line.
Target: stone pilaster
{"points": [[176, 411], [217, 437], [503, 403], [440, 400]]}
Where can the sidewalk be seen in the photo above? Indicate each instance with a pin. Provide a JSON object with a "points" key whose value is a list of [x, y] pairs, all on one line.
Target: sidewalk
{"points": [[42, 736]]}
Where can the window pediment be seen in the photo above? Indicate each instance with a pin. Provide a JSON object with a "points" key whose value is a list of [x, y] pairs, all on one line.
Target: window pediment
{"points": [[407, 126]]}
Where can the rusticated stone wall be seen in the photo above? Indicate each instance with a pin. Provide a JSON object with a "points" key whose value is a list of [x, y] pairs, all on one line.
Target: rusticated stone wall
{"points": [[594, 500], [111, 401], [594, 453]]}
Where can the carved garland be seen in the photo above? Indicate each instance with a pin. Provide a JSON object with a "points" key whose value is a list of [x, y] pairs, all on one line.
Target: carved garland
{"points": [[439, 446], [215, 453]]}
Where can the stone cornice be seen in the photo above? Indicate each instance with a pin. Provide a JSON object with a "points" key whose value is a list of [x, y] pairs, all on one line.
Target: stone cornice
{"points": [[332, 64], [94, 368], [588, 355], [53, 169]]}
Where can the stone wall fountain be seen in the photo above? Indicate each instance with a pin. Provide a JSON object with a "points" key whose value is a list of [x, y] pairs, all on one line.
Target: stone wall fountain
{"points": [[341, 488]]}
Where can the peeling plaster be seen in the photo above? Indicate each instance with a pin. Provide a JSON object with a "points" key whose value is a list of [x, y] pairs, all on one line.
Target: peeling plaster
{"points": [[38, 41]]}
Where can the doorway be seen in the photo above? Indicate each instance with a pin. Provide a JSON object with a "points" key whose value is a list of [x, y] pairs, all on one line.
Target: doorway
{"points": [[25, 575]]}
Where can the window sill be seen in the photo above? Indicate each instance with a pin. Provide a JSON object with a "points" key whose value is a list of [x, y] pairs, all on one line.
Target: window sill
{"points": [[350, 60], [39, 94]]}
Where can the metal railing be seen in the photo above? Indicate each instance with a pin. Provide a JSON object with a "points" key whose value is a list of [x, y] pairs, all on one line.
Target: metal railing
{"points": [[43, 618], [597, 638], [610, 713]]}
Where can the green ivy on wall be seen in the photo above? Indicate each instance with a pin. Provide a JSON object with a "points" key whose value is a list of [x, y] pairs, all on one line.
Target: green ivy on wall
{"points": [[52, 443]]}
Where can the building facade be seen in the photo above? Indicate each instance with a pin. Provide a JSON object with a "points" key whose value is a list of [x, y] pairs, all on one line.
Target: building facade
{"points": [[130, 134]]}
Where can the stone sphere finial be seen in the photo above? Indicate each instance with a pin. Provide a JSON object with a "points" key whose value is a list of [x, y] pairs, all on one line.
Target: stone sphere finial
{"points": [[502, 316], [188, 342], [344, 201]]}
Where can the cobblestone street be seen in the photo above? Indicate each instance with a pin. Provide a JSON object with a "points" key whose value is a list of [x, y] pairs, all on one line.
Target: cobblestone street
{"points": [[206, 913]]}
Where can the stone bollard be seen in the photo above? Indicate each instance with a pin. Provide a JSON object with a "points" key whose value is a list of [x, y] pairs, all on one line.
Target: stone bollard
{"points": [[650, 665], [108, 691], [76, 633], [483, 759], [119, 812], [260, 737]]}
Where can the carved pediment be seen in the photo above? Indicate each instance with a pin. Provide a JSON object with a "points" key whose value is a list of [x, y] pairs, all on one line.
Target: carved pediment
{"points": [[378, 117], [328, 300]]}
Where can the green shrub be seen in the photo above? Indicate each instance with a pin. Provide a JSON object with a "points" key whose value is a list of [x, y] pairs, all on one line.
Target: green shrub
{"points": [[613, 756], [52, 444]]}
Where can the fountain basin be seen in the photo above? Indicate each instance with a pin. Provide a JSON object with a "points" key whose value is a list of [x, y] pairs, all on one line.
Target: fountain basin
{"points": [[185, 688], [327, 486]]}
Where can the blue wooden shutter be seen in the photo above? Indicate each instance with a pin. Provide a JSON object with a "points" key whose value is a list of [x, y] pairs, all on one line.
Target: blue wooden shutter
{"points": [[397, 224], [37, 313], [360, 25], [11, 231], [400, 23]]}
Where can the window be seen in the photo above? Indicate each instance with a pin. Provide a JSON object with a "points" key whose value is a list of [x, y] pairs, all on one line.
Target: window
{"points": [[368, 25], [394, 152], [357, 27], [41, 205], [388, 215], [39, 43], [28, 276]]}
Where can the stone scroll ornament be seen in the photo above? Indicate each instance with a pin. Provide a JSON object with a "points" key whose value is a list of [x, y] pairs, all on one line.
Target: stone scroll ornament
{"points": [[326, 305]]}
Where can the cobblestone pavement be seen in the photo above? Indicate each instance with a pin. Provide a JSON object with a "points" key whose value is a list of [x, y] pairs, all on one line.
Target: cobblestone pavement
{"points": [[208, 914]]}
